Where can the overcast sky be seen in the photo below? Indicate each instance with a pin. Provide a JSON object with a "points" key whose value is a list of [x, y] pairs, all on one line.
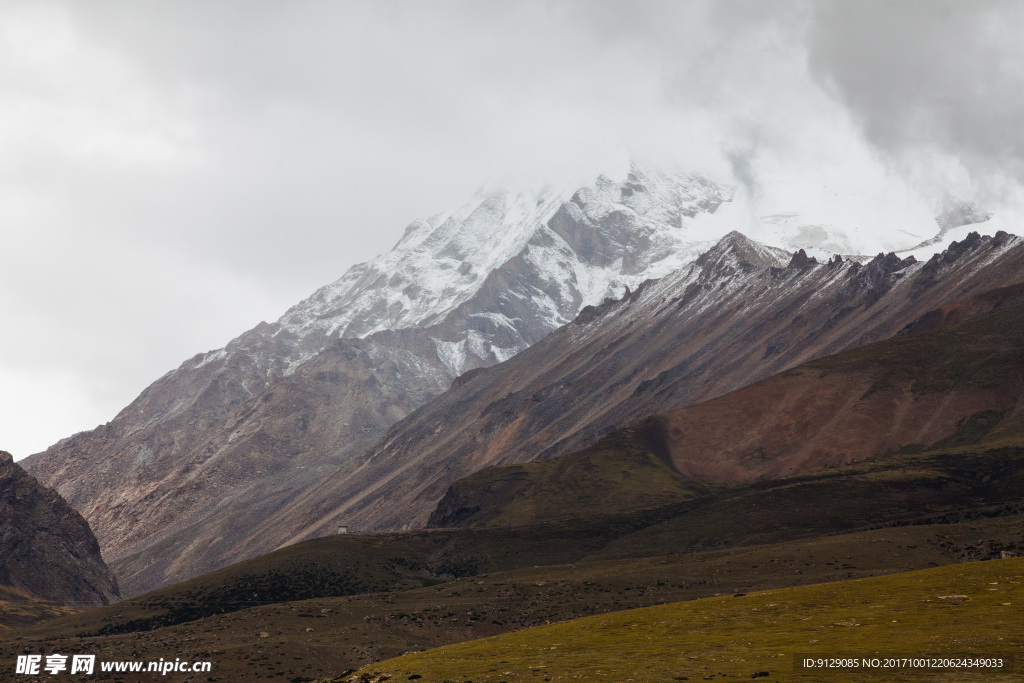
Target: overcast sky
{"points": [[173, 172]]}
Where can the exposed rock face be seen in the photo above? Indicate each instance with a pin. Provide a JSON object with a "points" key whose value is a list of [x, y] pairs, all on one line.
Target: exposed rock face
{"points": [[46, 548], [737, 315], [181, 481]]}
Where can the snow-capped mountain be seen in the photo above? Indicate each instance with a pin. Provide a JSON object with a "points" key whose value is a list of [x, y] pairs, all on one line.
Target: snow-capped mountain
{"points": [[558, 250], [239, 433], [259, 419]]}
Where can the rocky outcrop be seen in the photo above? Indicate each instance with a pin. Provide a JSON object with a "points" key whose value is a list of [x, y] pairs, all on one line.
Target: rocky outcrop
{"points": [[46, 548]]}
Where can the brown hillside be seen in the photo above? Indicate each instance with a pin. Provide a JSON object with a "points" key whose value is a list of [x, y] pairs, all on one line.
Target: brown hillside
{"points": [[957, 384], [952, 383]]}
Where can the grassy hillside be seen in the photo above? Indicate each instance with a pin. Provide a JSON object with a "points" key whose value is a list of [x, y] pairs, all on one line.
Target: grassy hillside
{"points": [[908, 488], [348, 632], [350, 565], [967, 609], [904, 488]]}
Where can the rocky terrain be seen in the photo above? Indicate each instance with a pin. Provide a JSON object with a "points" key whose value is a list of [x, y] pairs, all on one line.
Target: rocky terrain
{"points": [[736, 315], [952, 379], [618, 525], [183, 479], [47, 551], [945, 385]]}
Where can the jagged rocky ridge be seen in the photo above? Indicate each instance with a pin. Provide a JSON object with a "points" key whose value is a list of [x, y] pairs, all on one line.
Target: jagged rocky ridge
{"points": [[232, 435], [951, 379], [46, 548], [738, 314]]}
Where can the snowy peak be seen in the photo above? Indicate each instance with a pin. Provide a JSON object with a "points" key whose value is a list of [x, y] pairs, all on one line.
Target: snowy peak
{"points": [[641, 220], [491, 277], [511, 267], [438, 264], [608, 237], [663, 198], [497, 274], [736, 252]]}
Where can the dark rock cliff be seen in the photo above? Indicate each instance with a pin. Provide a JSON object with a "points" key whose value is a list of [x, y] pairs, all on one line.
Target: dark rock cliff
{"points": [[46, 548]]}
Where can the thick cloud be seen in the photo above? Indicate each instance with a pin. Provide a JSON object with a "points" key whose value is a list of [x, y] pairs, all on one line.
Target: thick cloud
{"points": [[929, 76]]}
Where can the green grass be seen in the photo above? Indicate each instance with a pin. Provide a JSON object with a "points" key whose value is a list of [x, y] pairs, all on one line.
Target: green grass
{"points": [[739, 636]]}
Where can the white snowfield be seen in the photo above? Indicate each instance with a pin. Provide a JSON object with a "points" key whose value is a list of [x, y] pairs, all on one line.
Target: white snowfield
{"points": [[437, 265], [500, 272], [442, 261]]}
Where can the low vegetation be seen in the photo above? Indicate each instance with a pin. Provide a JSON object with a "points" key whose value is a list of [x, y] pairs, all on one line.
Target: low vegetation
{"points": [[307, 640], [967, 609], [613, 476], [18, 609]]}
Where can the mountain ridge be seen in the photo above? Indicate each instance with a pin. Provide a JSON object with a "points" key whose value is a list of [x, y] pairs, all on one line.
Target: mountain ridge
{"points": [[687, 338], [279, 407], [960, 383]]}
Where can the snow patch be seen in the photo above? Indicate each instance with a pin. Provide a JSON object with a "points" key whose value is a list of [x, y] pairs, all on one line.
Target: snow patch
{"points": [[210, 357]]}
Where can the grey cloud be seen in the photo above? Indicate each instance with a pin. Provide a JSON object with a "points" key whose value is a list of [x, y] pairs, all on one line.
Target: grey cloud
{"points": [[928, 73], [741, 161]]}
